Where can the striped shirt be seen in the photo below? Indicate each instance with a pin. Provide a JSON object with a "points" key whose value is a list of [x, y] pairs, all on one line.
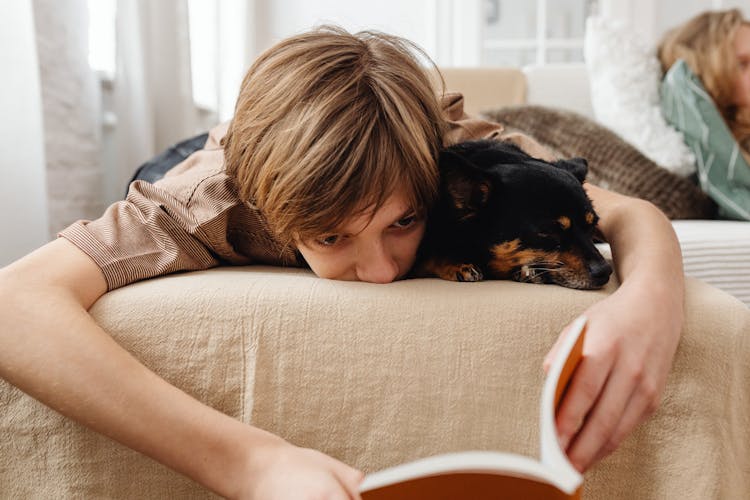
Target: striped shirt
{"points": [[193, 219]]}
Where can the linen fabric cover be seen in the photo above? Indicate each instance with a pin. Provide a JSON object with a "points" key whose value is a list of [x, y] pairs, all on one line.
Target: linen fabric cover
{"points": [[376, 375]]}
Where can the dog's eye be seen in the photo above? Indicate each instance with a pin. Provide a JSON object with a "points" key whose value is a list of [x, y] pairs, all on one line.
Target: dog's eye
{"points": [[549, 238]]}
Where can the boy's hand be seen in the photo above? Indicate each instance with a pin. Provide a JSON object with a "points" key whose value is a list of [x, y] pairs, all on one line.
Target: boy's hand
{"points": [[285, 471], [621, 378]]}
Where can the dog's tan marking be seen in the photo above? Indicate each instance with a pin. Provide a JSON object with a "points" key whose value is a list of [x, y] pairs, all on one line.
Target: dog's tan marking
{"points": [[589, 217], [564, 222], [574, 272], [485, 189], [565, 268], [507, 256], [572, 262]]}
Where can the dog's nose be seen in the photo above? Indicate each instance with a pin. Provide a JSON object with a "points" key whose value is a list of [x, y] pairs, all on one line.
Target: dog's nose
{"points": [[600, 271]]}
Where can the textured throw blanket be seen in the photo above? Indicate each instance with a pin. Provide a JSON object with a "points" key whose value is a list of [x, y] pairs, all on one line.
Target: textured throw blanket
{"points": [[614, 163]]}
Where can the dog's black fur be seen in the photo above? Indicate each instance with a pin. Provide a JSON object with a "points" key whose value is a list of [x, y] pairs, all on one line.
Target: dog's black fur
{"points": [[502, 214]]}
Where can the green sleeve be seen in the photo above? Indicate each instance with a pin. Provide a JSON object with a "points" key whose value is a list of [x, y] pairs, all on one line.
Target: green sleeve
{"points": [[723, 172]]}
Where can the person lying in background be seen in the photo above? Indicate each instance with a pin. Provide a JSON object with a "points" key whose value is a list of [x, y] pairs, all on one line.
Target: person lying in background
{"points": [[712, 49]]}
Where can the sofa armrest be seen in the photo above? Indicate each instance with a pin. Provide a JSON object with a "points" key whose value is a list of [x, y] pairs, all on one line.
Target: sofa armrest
{"points": [[564, 86]]}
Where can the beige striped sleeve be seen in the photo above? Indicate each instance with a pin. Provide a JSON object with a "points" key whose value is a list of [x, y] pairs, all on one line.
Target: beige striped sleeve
{"points": [[140, 238], [156, 230]]}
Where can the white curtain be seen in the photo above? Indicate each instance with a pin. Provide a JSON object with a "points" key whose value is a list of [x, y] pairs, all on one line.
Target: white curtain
{"points": [[99, 128], [23, 207], [71, 109], [152, 93], [154, 106]]}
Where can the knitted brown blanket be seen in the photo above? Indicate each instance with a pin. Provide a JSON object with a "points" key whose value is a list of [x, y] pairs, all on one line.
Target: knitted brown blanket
{"points": [[614, 163]]}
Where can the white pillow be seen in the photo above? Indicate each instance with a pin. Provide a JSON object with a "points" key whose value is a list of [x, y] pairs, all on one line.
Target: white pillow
{"points": [[624, 75]]}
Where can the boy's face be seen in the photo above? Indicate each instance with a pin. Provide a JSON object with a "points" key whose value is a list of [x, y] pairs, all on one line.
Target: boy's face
{"points": [[379, 250]]}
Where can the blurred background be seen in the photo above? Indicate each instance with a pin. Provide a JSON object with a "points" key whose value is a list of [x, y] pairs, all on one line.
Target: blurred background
{"points": [[93, 88]]}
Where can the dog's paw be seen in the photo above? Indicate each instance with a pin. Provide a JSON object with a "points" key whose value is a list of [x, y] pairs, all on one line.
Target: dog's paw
{"points": [[468, 272], [447, 271]]}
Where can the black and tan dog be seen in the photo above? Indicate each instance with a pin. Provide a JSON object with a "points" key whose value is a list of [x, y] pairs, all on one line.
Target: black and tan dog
{"points": [[502, 214]]}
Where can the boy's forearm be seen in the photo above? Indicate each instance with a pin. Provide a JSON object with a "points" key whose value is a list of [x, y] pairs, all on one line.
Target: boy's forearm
{"points": [[51, 348], [645, 250]]}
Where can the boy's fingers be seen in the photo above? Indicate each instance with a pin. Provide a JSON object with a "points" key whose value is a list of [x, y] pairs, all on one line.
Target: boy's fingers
{"points": [[350, 479], [602, 421], [585, 387]]}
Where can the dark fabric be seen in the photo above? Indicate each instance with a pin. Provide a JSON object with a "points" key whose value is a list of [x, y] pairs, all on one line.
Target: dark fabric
{"points": [[614, 163], [156, 167]]}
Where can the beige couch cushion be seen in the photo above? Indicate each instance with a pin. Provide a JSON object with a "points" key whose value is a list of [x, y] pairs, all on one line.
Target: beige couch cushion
{"points": [[485, 88], [378, 374]]}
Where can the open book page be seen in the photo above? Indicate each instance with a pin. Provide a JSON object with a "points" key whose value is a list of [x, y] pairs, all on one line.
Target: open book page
{"points": [[555, 385], [483, 475]]}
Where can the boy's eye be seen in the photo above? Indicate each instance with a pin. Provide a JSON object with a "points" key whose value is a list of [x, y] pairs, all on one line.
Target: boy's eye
{"points": [[406, 221], [328, 241]]}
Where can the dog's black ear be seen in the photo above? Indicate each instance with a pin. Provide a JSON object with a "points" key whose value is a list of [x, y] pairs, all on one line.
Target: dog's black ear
{"points": [[579, 167], [467, 187]]}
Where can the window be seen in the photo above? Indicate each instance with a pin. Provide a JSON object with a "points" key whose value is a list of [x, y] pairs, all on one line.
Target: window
{"points": [[533, 32], [203, 20], [219, 38], [218, 48], [102, 37]]}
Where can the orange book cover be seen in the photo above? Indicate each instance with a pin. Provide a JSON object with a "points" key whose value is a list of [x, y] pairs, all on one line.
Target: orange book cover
{"points": [[485, 475]]}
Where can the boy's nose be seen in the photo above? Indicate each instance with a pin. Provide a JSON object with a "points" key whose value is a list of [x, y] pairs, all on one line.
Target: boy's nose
{"points": [[377, 266]]}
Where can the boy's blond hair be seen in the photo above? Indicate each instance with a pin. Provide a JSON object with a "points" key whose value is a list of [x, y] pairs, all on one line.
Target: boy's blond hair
{"points": [[328, 125], [706, 43]]}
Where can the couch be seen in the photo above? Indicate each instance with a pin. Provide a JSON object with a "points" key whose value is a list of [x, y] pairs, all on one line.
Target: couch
{"points": [[376, 375]]}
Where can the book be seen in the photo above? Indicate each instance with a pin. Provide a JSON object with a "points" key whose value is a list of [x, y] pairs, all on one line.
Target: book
{"points": [[487, 475]]}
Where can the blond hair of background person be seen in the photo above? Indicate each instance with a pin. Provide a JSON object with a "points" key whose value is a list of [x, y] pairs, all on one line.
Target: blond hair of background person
{"points": [[716, 47], [329, 161]]}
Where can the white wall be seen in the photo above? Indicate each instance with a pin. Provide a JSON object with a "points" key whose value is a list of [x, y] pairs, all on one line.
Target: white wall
{"points": [[669, 13], [441, 27], [413, 19], [652, 18], [23, 207]]}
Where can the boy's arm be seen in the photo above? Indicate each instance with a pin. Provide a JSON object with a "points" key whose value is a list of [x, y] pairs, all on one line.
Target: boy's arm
{"points": [[632, 335], [51, 348]]}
